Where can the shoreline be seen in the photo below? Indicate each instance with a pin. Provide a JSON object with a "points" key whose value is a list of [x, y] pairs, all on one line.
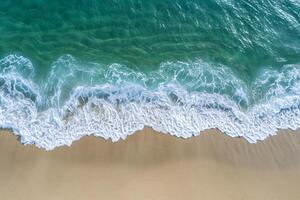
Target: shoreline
{"points": [[148, 165], [148, 129]]}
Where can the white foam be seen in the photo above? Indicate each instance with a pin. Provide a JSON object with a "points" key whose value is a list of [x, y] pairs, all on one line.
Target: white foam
{"points": [[114, 108]]}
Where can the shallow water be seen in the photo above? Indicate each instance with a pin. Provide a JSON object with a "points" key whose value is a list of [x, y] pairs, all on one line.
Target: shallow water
{"points": [[109, 68]]}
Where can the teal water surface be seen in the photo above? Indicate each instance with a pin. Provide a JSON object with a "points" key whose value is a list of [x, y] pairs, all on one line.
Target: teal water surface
{"points": [[64, 62], [241, 34]]}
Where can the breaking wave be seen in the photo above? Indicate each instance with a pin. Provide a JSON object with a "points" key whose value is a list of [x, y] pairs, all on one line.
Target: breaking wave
{"points": [[113, 101]]}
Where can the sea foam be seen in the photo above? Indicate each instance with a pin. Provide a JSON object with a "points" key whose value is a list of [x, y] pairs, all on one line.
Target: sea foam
{"points": [[114, 101]]}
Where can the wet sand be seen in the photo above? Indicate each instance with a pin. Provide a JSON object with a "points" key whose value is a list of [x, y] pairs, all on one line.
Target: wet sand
{"points": [[154, 166]]}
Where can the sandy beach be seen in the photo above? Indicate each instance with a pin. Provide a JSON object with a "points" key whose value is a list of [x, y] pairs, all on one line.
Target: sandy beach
{"points": [[148, 165]]}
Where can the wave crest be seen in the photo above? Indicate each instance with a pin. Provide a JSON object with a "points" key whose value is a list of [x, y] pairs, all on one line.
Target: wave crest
{"points": [[180, 98]]}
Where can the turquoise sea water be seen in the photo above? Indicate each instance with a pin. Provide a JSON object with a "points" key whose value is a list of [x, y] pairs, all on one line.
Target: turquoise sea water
{"points": [[109, 68]]}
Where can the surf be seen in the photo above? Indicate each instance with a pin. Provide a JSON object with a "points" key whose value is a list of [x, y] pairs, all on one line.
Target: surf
{"points": [[112, 101]]}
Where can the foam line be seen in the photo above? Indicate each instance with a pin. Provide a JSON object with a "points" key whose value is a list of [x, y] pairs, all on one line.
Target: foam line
{"points": [[112, 102]]}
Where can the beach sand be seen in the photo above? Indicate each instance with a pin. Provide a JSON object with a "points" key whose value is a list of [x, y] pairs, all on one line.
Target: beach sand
{"points": [[148, 165]]}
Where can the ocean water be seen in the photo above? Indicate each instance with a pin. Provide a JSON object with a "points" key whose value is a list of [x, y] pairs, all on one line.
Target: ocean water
{"points": [[111, 67]]}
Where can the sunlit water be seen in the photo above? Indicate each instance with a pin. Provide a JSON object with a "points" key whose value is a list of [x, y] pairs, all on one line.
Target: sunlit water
{"points": [[109, 68]]}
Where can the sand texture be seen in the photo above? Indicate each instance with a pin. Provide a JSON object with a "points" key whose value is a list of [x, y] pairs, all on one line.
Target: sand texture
{"points": [[148, 165]]}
